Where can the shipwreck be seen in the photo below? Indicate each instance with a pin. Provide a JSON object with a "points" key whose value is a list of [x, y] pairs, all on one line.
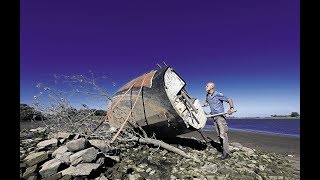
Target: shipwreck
{"points": [[162, 105]]}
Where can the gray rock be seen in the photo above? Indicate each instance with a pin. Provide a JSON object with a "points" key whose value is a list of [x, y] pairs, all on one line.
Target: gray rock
{"points": [[209, 168], [101, 178], [26, 141], [77, 145], [86, 155], [221, 178], [30, 171], [66, 177], [35, 158], [80, 169], [60, 150], [63, 135], [262, 167], [50, 167], [49, 142], [100, 144], [248, 151], [152, 172], [275, 177], [32, 178], [173, 177], [76, 136], [38, 130], [113, 158], [30, 149], [148, 170], [65, 157], [23, 165], [211, 177], [62, 140], [101, 160], [38, 149], [251, 165], [38, 139], [53, 177], [236, 144]]}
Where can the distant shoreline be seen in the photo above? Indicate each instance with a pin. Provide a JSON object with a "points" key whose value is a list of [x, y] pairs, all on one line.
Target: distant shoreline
{"points": [[263, 118]]}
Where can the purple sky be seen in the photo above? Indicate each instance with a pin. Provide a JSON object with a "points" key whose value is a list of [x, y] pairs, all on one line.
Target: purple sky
{"points": [[250, 49]]}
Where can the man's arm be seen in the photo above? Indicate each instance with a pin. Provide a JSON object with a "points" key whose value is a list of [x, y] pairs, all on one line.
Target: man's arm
{"points": [[230, 111]]}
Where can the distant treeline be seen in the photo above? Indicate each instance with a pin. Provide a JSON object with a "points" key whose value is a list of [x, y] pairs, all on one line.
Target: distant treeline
{"points": [[28, 113], [293, 114]]}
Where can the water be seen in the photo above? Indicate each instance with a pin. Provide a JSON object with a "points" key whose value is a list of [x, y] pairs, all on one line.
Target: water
{"points": [[274, 126]]}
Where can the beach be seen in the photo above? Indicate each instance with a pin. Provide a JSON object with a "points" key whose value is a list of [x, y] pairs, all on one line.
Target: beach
{"points": [[253, 155], [272, 143]]}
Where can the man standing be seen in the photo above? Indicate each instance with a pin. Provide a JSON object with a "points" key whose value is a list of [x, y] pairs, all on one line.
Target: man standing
{"points": [[215, 100]]}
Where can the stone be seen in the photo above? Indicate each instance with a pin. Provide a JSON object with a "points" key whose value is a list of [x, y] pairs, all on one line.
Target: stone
{"points": [[38, 130], [86, 155], [62, 141], [26, 141], [65, 157], [30, 171], [248, 151], [77, 145], [101, 160], [38, 139], [32, 178], [49, 142], [66, 177], [60, 150], [210, 177], [23, 165], [113, 158], [100, 144], [152, 172], [209, 167], [80, 170], [76, 136], [236, 144], [50, 167], [221, 178], [148, 170], [173, 177], [262, 167], [63, 135], [53, 177], [101, 178], [35, 158]]}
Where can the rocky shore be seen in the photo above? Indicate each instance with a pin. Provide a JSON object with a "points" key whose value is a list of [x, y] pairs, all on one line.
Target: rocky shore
{"points": [[57, 153]]}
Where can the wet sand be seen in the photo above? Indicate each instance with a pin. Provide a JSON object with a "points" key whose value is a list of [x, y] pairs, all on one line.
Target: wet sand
{"points": [[274, 143]]}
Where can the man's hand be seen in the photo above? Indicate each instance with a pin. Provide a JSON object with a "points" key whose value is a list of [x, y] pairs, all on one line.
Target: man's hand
{"points": [[205, 104], [230, 111]]}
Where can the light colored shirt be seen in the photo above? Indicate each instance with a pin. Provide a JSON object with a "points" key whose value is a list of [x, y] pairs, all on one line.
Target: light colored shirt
{"points": [[215, 101]]}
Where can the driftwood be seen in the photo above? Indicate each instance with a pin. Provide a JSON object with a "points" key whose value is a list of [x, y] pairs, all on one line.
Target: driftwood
{"points": [[155, 142]]}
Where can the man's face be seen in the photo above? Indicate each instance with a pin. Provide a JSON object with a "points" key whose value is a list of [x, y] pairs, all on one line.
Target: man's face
{"points": [[209, 86]]}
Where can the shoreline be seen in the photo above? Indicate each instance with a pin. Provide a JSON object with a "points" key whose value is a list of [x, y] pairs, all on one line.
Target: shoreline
{"points": [[272, 143], [250, 130]]}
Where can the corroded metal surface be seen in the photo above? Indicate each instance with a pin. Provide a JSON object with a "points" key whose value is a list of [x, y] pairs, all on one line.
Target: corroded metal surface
{"points": [[138, 81]]}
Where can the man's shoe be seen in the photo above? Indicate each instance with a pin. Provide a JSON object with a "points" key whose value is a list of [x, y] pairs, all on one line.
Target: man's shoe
{"points": [[227, 156]]}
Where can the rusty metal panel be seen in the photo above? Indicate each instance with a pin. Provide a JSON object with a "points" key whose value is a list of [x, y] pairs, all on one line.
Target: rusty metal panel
{"points": [[147, 81]]}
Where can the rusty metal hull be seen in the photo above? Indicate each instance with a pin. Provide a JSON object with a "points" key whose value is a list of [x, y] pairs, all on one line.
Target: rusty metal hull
{"points": [[154, 111]]}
